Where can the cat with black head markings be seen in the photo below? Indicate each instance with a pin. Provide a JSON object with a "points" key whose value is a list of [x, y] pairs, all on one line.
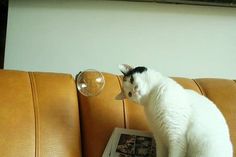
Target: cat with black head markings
{"points": [[184, 123]]}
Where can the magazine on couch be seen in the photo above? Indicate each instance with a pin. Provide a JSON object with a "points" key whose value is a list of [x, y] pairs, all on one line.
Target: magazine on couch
{"points": [[130, 143]]}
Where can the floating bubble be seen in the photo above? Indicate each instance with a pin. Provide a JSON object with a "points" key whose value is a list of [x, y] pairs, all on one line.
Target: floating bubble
{"points": [[90, 82]]}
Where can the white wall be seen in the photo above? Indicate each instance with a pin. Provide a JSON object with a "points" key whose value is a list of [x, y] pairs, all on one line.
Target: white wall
{"points": [[69, 36]]}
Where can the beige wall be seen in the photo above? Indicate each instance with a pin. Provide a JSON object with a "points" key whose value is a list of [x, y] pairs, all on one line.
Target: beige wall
{"points": [[69, 36]]}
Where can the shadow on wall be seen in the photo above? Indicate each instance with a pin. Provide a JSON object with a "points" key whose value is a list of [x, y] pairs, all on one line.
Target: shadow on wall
{"points": [[127, 6]]}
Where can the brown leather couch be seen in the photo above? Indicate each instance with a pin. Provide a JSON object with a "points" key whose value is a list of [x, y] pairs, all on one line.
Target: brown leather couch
{"points": [[43, 115]]}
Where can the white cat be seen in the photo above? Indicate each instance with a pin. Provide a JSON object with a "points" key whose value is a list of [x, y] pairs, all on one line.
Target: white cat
{"points": [[184, 123]]}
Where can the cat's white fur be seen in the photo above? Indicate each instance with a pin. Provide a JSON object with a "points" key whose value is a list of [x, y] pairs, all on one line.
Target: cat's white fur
{"points": [[184, 123]]}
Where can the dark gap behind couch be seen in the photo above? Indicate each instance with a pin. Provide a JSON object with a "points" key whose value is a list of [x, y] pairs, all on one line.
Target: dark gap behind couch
{"points": [[3, 28]]}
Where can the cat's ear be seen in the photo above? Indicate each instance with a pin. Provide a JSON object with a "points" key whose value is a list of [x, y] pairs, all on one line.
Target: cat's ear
{"points": [[120, 96], [124, 68]]}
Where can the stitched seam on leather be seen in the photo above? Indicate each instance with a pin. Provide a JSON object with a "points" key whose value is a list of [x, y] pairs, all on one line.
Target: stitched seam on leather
{"points": [[74, 81], [36, 112], [124, 110], [199, 87], [81, 124], [80, 113]]}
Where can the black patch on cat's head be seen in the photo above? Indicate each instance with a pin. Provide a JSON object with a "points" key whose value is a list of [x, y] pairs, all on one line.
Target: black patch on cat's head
{"points": [[135, 70]]}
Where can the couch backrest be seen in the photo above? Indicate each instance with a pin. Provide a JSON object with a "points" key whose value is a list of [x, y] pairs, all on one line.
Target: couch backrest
{"points": [[38, 115], [99, 115]]}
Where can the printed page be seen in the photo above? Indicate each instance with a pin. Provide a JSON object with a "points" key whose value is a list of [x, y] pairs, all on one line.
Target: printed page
{"points": [[133, 143]]}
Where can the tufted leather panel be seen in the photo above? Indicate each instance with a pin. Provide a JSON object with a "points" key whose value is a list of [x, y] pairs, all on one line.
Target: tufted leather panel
{"points": [[100, 114], [17, 125], [38, 115], [223, 93]]}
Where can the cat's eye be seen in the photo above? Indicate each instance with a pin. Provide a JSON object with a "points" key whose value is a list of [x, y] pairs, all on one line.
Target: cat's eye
{"points": [[130, 94], [131, 80], [124, 78]]}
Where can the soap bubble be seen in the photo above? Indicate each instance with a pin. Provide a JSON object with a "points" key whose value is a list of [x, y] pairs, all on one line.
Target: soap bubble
{"points": [[90, 82]]}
